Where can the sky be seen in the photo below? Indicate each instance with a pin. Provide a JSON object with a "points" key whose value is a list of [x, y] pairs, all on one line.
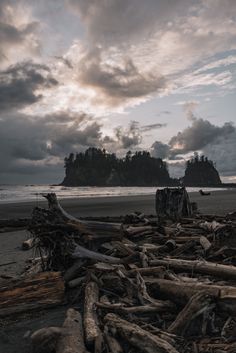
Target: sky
{"points": [[158, 75]]}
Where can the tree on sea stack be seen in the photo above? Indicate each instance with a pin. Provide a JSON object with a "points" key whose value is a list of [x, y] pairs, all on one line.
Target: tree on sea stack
{"points": [[200, 171]]}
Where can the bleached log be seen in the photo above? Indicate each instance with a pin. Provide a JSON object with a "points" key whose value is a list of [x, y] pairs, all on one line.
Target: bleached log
{"points": [[92, 331], [73, 342], [204, 267]]}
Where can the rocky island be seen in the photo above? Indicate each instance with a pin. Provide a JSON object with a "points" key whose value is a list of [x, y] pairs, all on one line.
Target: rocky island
{"points": [[97, 167], [201, 172]]}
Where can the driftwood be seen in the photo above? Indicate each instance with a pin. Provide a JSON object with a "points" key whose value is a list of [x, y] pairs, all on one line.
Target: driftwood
{"points": [[151, 271], [92, 331], [46, 339], [208, 268], [73, 342], [137, 337], [197, 304], [180, 292], [32, 293], [173, 203], [27, 244]]}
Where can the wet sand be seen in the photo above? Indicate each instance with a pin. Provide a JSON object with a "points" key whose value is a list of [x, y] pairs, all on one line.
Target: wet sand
{"points": [[219, 202]]}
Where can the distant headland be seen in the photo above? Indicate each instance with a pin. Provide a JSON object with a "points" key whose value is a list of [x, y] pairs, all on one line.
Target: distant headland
{"points": [[97, 167]]}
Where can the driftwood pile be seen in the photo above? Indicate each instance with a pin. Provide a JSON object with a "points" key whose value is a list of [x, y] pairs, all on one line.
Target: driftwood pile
{"points": [[141, 285]]}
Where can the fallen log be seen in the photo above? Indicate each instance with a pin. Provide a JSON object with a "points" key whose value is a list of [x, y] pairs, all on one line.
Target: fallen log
{"points": [[204, 267], [92, 331], [32, 293], [73, 342], [55, 206], [197, 304], [137, 337], [159, 307], [180, 292]]}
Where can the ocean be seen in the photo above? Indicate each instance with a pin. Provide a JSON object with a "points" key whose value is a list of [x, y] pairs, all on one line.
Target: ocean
{"points": [[23, 193]]}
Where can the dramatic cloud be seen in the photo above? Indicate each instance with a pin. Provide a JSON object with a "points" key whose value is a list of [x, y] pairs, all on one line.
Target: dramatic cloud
{"points": [[68, 67], [198, 135], [216, 142], [117, 82], [19, 84]]}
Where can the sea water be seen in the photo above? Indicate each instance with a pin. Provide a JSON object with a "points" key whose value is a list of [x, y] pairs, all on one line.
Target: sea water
{"points": [[23, 193]]}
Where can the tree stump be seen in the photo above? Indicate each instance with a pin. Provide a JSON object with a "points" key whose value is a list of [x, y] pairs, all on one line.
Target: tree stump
{"points": [[173, 203]]}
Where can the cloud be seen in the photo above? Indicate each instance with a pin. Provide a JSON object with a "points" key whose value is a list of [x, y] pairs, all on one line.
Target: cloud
{"points": [[32, 141], [19, 84], [222, 152], [198, 135], [188, 108], [128, 137], [119, 81], [112, 22], [160, 150], [18, 34]]}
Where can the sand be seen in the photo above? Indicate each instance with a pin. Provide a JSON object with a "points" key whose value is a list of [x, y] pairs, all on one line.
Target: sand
{"points": [[11, 335], [219, 202]]}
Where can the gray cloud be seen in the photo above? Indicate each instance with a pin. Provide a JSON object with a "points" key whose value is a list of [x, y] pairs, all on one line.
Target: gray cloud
{"points": [[32, 142], [18, 84], [12, 32], [112, 22], [130, 137], [160, 150], [222, 152], [117, 83], [198, 135], [216, 142]]}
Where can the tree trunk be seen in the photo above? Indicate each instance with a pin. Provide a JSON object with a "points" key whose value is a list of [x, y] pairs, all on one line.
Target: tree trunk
{"points": [[173, 203]]}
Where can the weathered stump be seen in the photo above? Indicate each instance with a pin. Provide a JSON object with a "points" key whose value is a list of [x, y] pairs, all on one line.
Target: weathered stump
{"points": [[173, 203]]}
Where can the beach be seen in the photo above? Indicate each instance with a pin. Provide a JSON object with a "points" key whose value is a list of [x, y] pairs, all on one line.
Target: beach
{"points": [[219, 202]]}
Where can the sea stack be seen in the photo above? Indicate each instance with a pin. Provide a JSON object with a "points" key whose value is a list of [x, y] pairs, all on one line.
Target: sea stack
{"points": [[201, 172]]}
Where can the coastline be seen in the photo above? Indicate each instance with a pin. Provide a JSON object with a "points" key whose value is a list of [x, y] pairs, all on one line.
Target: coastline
{"points": [[219, 202]]}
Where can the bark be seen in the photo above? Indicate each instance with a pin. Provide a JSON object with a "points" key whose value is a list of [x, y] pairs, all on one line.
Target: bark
{"points": [[137, 337], [173, 203], [74, 341], [37, 292]]}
